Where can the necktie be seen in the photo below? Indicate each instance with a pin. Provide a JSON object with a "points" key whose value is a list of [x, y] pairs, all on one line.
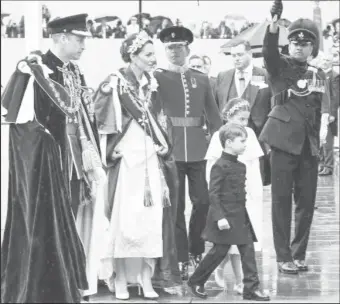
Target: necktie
{"points": [[242, 83]]}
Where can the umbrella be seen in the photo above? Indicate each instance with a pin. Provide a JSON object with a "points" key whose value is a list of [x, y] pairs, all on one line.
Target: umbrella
{"points": [[4, 15], [142, 15], [105, 18], [255, 36], [156, 23]]}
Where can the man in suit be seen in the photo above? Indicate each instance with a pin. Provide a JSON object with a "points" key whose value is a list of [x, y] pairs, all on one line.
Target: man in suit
{"points": [[294, 129], [248, 82], [245, 81], [188, 101], [327, 157]]}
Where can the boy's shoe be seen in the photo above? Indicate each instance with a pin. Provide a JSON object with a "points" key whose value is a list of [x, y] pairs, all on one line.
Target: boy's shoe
{"points": [[239, 288], [198, 291], [256, 295]]}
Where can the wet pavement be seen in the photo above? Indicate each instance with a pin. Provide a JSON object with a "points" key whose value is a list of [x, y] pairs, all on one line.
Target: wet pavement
{"points": [[319, 284]]}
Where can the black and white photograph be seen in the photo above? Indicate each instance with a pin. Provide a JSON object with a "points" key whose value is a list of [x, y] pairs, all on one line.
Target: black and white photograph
{"points": [[170, 151]]}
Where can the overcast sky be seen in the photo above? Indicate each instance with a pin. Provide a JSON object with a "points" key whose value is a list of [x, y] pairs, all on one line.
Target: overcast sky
{"points": [[211, 10]]}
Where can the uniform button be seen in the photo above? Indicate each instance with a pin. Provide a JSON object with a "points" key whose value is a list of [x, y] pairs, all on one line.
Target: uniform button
{"points": [[187, 112], [307, 105]]}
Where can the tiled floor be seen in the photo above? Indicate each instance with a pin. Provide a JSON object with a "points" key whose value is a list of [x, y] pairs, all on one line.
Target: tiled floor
{"points": [[320, 284]]}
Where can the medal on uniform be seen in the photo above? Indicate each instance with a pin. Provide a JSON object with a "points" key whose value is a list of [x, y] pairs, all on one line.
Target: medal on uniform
{"points": [[193, 83]]}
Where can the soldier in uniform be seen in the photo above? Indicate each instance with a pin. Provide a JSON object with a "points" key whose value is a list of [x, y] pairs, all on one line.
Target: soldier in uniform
{"points": [[187, 99], [295, 127]]}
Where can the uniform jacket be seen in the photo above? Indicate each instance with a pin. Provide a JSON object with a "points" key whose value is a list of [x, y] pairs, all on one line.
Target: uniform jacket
{"points": [[292, 118], [257, 93], [334, 83], [228, 200], [188, 101]]}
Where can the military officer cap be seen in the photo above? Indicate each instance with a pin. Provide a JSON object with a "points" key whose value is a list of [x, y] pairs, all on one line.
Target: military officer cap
{"points": [[75, 24], [305, 30], [176, 35]]}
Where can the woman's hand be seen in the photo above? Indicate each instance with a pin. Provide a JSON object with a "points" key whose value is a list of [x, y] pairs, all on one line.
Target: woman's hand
{"points": [[161, 151]]}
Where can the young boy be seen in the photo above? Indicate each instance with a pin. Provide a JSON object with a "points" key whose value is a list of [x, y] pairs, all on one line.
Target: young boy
{"points": [[228, 222]]}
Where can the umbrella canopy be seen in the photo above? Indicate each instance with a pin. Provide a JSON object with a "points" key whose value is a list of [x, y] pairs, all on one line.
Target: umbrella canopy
{"points": [[156, 23], [255, 37], [4, 15], [105, 18], [142, 15]]}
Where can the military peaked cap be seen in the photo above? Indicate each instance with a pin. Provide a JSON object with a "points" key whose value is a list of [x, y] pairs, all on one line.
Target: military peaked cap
{"points": [[176, 34], [75, 24]]}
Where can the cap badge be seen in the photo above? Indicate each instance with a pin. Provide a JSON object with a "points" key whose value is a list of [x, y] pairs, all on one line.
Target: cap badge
{"points": [[301, 35], [173, 35]]}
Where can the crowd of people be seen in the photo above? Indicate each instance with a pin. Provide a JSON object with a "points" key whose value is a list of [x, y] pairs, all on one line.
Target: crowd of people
{"points": [[97, 179]]}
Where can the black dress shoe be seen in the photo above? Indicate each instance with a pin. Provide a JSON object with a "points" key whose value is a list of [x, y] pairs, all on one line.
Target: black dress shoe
{"points": [[256, 295], [288, 268], [326, 172], [86, 299], [198, 291], [184, 270], [301, 265]]}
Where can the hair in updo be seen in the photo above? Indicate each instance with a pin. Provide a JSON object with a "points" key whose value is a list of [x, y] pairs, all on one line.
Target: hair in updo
{"points": [[136, 42], [234, 106]]}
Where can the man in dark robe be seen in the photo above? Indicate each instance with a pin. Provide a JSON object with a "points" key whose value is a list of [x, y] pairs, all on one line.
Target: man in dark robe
{"points": [[50, 139]]}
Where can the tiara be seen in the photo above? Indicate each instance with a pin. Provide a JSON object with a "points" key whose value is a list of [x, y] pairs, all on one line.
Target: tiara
{"points": [[138, 42], [236, 107]]}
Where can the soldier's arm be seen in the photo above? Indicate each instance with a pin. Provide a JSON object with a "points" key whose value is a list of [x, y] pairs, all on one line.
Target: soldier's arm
{"points": [[215, 91], [273, 60], [211, 110]]}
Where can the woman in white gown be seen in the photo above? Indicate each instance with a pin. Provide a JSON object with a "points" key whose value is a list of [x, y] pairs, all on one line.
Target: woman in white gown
{"points": [[237, 111], [139, 246]]}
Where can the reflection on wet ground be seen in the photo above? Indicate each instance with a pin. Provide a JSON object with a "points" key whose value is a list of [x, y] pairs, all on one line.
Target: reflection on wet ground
{"points": [[319, 284]]}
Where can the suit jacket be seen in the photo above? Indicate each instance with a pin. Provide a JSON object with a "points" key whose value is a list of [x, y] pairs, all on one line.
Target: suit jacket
{"points": [[258, 96], [228, 200], [293, 118], [187, 99]]}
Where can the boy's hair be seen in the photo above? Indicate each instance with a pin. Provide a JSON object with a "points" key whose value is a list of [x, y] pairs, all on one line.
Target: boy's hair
{"points": [[233, 106], [231, 131]]}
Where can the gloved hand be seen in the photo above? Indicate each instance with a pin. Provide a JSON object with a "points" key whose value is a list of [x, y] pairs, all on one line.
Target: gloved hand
{"points": [[277, 9]]}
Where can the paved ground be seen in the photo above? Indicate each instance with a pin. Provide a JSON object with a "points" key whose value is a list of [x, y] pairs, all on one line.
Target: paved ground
{"points": [[320, 284]]}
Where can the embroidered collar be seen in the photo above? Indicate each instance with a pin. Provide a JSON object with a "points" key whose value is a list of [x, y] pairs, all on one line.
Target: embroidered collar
{"points": [[56, 60]]}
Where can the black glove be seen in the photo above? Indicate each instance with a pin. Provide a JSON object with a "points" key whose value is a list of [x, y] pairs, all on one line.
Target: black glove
{"points": [[277, 9]]}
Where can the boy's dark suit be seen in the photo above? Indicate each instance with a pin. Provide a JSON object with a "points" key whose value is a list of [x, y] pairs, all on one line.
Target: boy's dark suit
{"points": [[227, 200]]}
